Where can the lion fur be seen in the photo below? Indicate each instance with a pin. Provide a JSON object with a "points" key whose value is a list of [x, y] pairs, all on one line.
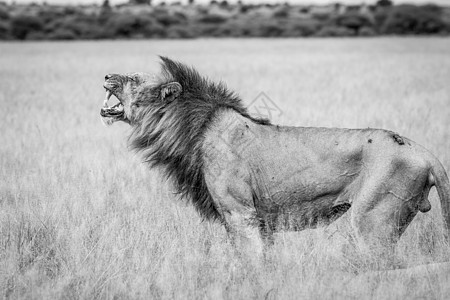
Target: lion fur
{"points": [[170, 135]]}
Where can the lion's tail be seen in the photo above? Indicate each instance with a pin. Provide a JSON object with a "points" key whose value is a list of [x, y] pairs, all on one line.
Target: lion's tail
{"points": [[439, 178]]}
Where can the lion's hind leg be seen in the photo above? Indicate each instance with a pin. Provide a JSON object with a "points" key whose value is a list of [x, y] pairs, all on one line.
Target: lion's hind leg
{"points": [[377, 229], [386, 203]]}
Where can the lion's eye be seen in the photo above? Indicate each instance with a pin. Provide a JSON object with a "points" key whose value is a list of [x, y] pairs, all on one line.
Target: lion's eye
{"points": [[132, 78]]}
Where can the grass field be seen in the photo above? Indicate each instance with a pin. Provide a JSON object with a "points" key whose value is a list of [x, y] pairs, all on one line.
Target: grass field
{"points": [[82, 217]]}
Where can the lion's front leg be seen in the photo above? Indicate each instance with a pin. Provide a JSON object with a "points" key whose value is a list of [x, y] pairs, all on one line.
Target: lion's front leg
{"points": [[243, 229], [232, 196], [241, 222]]}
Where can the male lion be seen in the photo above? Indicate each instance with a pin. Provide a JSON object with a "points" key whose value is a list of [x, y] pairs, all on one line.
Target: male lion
{"points": [[257, 178]]}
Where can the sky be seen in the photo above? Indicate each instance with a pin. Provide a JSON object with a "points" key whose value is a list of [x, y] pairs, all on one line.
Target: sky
{"points": [[74, 2]]}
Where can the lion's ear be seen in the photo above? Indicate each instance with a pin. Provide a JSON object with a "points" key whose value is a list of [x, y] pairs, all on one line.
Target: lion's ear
{"points": [[170, 91]]}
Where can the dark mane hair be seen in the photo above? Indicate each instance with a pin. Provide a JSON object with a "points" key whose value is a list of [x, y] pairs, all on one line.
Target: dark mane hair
{"points": [[170, 134]]}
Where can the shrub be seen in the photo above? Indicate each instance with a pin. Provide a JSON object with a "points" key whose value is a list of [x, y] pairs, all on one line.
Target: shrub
{"points": [[409, 19], [367, 31], [384, 3], [224, 3], [122, 25], [180, 16], [59, 22], [244, 8], [321, 16], [22, 25], [128, 25], [352, 20], [168, 20], [154, 30], [207, 29], [282, 13], [70, 10], [446, 20], [232, 28], [91, 31], [4, 30], [4, 15], [226, 30], [49, 15], [334, 31], [305, 27], [80, 26], [304, 10], [212, 19], [271, 30], [37, 36], [179, 32], [380, 15]]}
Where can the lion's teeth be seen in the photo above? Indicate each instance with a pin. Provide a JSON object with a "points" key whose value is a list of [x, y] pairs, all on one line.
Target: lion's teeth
{"points": [[107, 96]]}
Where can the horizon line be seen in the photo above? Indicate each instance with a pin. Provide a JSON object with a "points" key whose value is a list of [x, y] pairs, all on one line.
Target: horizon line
{"points": [[291, 2]]}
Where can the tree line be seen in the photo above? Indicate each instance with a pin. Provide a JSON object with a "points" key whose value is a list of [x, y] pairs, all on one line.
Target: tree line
{"points": [[138, 19]]}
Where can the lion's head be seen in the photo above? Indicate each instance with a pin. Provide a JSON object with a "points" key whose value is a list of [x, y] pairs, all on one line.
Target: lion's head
{"points": [[134, 91], [126, 88]]}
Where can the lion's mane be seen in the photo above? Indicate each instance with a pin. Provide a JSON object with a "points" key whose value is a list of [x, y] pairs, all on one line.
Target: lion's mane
{"points": [[171, 134]]}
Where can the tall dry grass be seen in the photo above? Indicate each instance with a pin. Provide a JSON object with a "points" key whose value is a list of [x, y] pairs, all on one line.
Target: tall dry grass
{"points": [[81, 217]]}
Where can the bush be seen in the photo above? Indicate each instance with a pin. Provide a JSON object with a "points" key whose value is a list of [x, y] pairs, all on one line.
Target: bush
{"points": [[207, 29], [353, 20], [409, 19], [80, 26], [212, 19], [179, 32], [22, 25], [330, 31], [123, 25], [59, 22], [128, 25], [226, 30], [49, 15], [70, 10], [305, 27], [154, 30], [244, 8], [282, 13], [271, 30], [380, 15], [180, 16], [384, 3], [167, 20], [37, 36], [4, 15], [367, 31], [233, 28], [323, 17], [4, 30]]}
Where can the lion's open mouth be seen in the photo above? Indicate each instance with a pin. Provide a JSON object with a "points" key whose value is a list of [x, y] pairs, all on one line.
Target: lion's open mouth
{"points": [[110, 114]]}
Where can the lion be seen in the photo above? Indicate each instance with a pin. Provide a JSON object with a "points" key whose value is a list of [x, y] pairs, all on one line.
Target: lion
{"points": [[257, 178]]}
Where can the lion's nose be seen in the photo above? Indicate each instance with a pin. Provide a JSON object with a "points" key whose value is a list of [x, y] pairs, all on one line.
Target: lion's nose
{"points": [[108, 76]]}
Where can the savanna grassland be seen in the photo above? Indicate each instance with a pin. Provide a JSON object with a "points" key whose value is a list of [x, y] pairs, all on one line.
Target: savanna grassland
{"points": [[82, 217]]}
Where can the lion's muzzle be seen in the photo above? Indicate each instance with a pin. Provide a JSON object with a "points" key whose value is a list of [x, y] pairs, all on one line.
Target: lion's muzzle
{"points": [[110, 114]]}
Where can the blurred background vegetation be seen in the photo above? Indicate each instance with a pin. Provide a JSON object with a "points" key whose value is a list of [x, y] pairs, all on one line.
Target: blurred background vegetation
{"points": [[139, 19]]}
